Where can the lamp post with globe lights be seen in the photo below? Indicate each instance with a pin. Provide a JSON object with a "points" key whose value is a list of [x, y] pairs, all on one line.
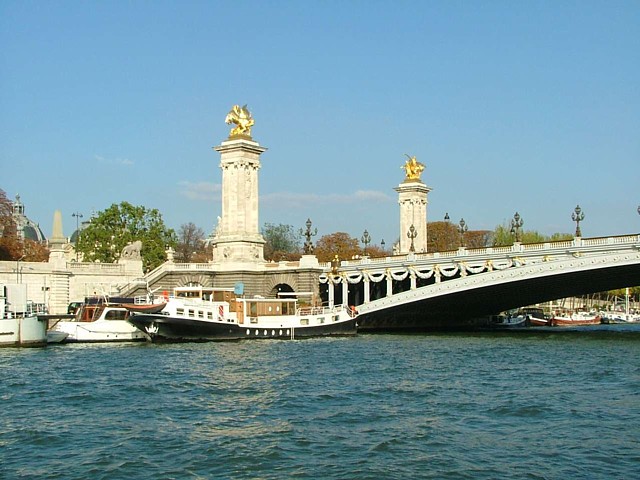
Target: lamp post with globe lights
{"points": [[578, 216], [462, 229]]}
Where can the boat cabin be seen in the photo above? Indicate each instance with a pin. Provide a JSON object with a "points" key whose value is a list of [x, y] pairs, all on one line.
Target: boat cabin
{"points": [[206, 294], [242, 307], [93, 308]]}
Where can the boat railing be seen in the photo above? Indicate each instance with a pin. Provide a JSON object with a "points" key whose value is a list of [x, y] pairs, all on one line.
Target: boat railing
{"points": [[149, 299], [322, 310]]}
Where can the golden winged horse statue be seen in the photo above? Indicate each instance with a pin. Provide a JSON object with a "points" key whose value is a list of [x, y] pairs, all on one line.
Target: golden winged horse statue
{"points": [[241, 117], [413, 168]]}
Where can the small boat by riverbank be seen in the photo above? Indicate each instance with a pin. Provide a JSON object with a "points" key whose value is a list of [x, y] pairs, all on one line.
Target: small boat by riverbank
{"points": [[145, 307], [206, 314], [536, 316], [575, 319], [98, 320], [619, 317], [510, 321], [54, 336]]}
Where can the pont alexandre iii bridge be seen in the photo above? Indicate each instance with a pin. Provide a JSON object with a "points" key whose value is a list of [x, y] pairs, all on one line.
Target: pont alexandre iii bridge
{"points": [[440, 290], [408, 291]]}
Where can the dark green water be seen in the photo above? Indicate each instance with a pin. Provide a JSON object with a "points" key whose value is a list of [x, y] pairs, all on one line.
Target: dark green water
{"points": [[541, 405]]}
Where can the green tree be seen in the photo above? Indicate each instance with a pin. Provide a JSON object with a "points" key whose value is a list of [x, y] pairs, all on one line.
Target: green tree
{"points": [[340, 243], [190, 245], [283, 242], [111, 230], [502, 236], [558, 237]]}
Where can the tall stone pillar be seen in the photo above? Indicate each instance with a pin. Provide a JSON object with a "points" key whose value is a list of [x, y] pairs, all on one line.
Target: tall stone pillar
{"points": [[412, 197], [237, 239], [57, 243]]}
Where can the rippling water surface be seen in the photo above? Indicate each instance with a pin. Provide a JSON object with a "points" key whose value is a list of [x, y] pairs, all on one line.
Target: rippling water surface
{"points": [[538, 405]]}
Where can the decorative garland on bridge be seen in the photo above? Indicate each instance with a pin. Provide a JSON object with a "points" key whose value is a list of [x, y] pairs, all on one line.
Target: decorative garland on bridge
{"points": [[401, 273]]}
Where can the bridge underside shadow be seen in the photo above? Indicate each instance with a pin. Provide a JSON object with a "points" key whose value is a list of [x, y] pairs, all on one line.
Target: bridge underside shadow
{"points": [[466, 310]]}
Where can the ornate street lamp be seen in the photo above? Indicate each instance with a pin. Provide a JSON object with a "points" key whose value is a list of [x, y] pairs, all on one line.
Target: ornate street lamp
{"points": [[308, 244], [382, 244], [462, 229], [446, 217], [577, 216], [77, 216], [638, 209], [412, 234], [366, 239], [516, 225]]}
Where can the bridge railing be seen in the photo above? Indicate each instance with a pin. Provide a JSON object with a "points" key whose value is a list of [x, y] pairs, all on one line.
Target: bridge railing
{"points": [[565, 246]]}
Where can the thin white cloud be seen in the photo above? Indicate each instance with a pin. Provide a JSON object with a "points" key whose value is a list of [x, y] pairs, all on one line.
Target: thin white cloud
{"points": [[200, 190], [304, 199], [113, 161], [211, 191]]}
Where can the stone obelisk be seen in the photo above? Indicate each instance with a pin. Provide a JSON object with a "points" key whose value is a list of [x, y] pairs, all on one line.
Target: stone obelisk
{"points": [[238, 242], [412, 197]]}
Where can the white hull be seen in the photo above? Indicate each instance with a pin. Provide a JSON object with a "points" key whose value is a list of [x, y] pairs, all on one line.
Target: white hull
{"points": [[23, 332], [56, 337], [99, 331]]}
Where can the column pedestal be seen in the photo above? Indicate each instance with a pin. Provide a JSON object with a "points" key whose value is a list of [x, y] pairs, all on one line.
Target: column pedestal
{"points": [[237, 240], [412, 197]]}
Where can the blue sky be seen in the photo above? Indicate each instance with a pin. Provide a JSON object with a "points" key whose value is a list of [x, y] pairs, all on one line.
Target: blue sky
{"points": [[512, 106]]}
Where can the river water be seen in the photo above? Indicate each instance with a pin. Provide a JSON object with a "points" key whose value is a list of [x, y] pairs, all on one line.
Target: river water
{"points": [[546, 404]]}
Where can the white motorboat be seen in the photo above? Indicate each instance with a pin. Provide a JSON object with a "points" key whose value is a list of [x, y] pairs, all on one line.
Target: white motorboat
{"points": [[203, 314], [511, 321], [98, 320]]}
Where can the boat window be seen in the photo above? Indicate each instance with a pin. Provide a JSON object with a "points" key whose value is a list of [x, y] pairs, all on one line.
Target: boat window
{"points": [[304, 321], [192, 313], [210, 315], [200, 314], [253, 309], [335, 318], [179, 311], [253, 320], [115, 315], [320, 319]]}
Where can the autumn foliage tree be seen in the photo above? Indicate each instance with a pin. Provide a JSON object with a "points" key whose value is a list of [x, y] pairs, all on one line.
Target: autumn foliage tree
{"points": [[340, 243], [11, 246], [442, 236]]}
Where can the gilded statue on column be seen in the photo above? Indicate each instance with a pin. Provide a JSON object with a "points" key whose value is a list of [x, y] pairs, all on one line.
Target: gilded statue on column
{"points": [[413, 168], [242, 119]]}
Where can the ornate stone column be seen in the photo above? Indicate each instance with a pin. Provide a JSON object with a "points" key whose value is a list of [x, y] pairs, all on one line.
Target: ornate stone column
{"points": [[412, 198], [237, 239]]}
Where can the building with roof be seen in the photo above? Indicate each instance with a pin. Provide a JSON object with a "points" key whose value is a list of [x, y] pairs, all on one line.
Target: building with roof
{"points": [[26, 229]]}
